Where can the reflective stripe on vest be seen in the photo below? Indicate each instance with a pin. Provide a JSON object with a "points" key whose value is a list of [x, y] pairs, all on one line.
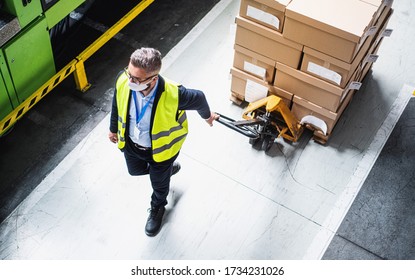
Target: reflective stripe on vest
{"points": [[170, 125], [123, 97]]}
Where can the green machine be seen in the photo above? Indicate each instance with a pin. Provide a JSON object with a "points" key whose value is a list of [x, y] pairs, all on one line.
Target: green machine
{"points": [[26, 55]]}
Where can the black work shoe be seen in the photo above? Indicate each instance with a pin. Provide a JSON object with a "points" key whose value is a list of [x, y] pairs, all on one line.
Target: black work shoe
{"points": [[154, 220], [176, 167]]}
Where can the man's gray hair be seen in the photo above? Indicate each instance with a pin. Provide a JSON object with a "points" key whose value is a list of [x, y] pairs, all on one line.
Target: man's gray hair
{"points": [[148, 59]]}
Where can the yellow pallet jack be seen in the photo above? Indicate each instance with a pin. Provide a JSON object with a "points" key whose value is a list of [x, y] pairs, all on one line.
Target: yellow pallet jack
{"points": [[269, 118]]}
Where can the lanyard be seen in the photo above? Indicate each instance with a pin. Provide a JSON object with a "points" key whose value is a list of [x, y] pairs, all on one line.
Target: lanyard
{"points": [[143, 110]]}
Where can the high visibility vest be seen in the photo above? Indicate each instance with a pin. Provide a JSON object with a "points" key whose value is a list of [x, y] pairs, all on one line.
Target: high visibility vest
{"points": [[168, 125]]}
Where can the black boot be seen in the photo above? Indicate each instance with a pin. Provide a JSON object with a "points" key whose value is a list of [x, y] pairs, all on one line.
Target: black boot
{"points": [[154, 220], [176, 168]]}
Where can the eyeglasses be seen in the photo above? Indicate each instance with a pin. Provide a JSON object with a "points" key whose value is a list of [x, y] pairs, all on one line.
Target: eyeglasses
{"points": [[137, 80]]}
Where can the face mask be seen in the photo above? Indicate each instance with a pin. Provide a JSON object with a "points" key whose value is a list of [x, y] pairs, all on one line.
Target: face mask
{"points": [[136, 87]]}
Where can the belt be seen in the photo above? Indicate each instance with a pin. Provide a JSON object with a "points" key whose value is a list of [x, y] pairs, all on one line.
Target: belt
{"points": [[141, 147]]}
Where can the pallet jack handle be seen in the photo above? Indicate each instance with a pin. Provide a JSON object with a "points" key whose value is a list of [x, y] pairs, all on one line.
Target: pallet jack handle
{"points": [[232, 124]]}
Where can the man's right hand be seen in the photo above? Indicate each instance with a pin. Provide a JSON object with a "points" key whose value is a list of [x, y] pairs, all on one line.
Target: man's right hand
{"points": [[113, 137], [213, 117]]}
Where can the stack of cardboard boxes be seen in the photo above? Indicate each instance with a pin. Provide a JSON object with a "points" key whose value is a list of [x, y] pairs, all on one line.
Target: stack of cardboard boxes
{"points": [[313, 54]]}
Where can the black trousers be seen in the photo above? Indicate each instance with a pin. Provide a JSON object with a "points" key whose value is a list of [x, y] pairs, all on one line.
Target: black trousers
{"points": [[140, 162]]}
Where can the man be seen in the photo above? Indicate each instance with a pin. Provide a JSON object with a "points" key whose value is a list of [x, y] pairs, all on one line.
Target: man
{"points": [[148, 121]]}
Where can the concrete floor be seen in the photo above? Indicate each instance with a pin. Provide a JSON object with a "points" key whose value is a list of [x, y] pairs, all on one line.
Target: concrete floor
{"points": [[229, 201], [380, 223]]}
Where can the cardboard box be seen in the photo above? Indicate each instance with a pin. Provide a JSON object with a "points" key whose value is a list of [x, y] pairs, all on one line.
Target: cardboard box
{"points": [[286, 96], [302, 108], [267, 42], [335, 70], [254, 64], [328, 68], [308, 87], [270, 13], [383, 8], [336, 28], [249, 88], [371, 56], [367, 63]]}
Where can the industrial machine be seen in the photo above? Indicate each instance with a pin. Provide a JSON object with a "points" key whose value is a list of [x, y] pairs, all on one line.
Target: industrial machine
{"points": [[270, 118], [27, 31]]}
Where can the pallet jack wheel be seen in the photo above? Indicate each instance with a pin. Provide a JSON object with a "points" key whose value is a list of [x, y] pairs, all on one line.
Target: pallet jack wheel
{"points": [[253, 141], [267, 143]]}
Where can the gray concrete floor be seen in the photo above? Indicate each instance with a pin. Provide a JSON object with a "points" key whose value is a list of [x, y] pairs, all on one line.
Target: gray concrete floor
{"points": [[229, 201]]}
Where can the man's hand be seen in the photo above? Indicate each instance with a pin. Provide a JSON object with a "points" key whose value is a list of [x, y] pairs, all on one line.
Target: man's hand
{"points": [[113, 137], [213, 117]]}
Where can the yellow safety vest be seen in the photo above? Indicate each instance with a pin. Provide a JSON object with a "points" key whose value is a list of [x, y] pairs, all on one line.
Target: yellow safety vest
{"points": [[168, 126]]}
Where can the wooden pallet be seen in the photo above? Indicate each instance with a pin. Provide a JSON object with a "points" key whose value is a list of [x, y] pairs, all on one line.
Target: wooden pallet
{"points": [[319, 137], [236, 99]]}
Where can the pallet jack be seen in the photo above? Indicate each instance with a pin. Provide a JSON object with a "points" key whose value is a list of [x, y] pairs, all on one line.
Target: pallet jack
{"points": [[266, 119]]}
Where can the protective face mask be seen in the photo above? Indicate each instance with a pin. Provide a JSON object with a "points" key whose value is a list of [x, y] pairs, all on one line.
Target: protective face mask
{"points": [[136, 87]]}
